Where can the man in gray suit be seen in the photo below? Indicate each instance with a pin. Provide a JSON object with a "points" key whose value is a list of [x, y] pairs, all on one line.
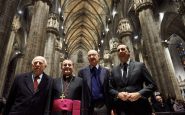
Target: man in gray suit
{"points": [[95, 99], [127, 85]]}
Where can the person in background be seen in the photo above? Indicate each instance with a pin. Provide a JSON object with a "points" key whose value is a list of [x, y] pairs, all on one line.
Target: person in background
{"points": [[95, 86], [30, 93], [159, 105], [178, 106], [67, 86], [127, 85]]}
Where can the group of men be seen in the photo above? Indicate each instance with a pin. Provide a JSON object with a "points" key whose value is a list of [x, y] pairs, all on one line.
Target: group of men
{"points": [[123, 91]]}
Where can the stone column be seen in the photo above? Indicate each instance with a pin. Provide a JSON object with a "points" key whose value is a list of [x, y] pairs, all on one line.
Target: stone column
{"points": [[36, 37], [8, 8], [113, 48], [107, 59], [161, 70], [52, 34], [125, 34], [58, 58], [15, 26]]}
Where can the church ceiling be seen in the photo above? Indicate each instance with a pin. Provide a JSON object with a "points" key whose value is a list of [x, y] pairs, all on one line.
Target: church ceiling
{"points": [[83, 21]]}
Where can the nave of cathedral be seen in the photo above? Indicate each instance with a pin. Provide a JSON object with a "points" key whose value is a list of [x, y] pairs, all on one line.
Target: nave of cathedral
{"points": [[154, 30]]}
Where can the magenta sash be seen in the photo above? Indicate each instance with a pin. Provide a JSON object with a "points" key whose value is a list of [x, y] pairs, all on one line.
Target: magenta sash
{"points": [[68, 105]]}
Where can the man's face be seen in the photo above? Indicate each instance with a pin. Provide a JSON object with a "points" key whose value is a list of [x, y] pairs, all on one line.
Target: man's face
{"points": [[93, 57], [159, 98], [67, 67], [123, 52], [38, 66]]}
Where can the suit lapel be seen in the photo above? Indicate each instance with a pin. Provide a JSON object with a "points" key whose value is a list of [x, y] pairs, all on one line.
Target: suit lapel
{"points": [[119, 70], [29, 82], [102, 75], [43, 83], [88, 76], [130, 69]]}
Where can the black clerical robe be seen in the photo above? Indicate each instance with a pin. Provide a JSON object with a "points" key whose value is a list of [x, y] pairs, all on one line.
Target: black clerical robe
{"points": [[71, 87]]}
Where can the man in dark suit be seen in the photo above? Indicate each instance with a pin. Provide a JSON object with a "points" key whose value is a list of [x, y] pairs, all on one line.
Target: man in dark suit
{"points": [[95, 87], [30, 93], [67, 86], [127, 85]]}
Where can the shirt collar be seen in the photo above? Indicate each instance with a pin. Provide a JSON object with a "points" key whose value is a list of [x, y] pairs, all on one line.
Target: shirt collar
{"points": [[39, 77], [128, 61], [97, 66], [67, 78]]}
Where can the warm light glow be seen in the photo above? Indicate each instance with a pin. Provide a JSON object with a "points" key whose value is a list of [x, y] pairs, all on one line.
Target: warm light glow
{"points": [[102, 41], [161, 15], [107, 29], [135, 37], [114, 12], [20, 12], [59, 10]]}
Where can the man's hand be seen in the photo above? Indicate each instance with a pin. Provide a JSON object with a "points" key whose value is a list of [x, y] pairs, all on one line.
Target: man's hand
{"points": [[134, 96], [123, 96]]}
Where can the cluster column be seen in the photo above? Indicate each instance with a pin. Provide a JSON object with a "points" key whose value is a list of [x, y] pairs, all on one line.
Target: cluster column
{"points": [[162, 72]]}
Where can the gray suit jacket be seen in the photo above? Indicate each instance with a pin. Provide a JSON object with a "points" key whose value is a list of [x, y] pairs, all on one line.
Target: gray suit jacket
{"points": [[137, 77]]}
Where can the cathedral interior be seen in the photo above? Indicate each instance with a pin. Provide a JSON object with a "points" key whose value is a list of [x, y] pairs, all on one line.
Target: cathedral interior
{"points": [[154, 30]]}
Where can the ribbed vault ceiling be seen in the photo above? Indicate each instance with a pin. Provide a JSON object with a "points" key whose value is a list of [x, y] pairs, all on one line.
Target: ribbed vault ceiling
{"points": [[82, 23]]}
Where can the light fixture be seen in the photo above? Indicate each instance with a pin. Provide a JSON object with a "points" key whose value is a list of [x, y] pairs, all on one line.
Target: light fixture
{"points": [[20, 11]]}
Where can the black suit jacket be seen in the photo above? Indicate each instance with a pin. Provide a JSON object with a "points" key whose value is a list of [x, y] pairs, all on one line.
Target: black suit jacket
{"points": [[138, 76], [22, 99], [74, 90], [86, 75]]}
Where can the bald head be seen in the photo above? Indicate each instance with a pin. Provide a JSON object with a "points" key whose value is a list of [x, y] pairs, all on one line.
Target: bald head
{"points": [[93, 57]]}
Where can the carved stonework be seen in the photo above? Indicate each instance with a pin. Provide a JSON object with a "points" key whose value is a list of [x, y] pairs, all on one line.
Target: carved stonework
{"points": [[142, 4], [16, 24], [124, 27], [58, 45], [106, 57], [53, 22], [181, 9], [113, 45]]}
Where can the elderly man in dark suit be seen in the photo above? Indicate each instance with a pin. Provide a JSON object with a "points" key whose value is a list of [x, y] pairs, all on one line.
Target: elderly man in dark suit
{"points": [[67, 86], [95, 86], [127, 85], [30, 93]]}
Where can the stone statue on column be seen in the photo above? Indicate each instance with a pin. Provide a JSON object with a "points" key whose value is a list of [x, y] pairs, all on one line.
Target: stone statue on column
{"points": [[16, 23], [124, 27], [53, 22]]}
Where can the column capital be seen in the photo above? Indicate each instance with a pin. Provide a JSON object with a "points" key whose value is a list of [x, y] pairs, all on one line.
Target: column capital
{"points": [[124, 28], [106, 56], [53, 23], [49, 2], [58, 45], [181, 8], [16, 23], [113, 45], [142, 4]]}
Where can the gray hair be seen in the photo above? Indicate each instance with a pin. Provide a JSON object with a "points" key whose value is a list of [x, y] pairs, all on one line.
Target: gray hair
{"points": [[39, 58]]}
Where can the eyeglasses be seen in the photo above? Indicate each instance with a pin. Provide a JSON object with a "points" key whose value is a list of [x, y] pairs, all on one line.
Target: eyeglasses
{"points": [[37, 62], [92, 55], [67, 64], [121, 49]]}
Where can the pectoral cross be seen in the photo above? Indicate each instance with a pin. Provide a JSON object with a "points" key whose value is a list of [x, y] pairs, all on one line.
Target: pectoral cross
{"points": [[62, 96]]}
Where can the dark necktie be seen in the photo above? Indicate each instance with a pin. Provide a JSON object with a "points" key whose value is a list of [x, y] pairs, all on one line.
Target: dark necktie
{"points": [[125, 70], [35, 83]]}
